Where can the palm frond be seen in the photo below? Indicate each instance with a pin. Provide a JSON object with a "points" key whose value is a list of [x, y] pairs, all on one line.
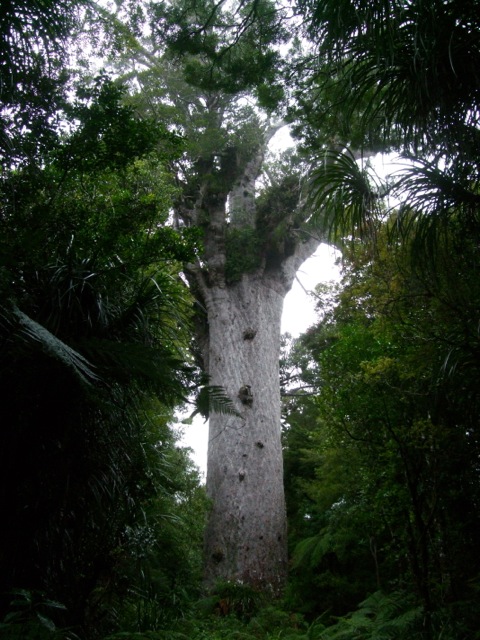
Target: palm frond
{"points": [[439, 200], [343, 198], [417, 61], [33, 333], [155, 297], [434, 187], [156, 368]]}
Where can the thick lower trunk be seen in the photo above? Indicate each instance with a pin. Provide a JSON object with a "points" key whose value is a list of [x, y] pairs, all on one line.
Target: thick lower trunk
{"points": [[246, 532]]}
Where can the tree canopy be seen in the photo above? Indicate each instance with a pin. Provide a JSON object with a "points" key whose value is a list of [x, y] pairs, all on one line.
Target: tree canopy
{"points": [[94, 333], [406, 74], [371, 456]]}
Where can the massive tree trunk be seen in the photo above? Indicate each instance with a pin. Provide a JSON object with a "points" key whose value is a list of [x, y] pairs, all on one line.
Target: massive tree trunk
{"points": [[246, 534], [239, 309], [240, 344]]}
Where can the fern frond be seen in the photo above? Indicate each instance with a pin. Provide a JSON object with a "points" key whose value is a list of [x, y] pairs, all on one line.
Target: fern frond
{"points": [[381, 616], [214, 399], [311, 550]]}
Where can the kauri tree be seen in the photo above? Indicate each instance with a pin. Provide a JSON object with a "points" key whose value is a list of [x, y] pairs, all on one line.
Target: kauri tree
{"points": [[217, 86]]}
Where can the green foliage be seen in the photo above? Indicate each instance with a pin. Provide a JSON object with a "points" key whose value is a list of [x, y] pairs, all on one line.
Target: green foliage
{"points": [[217, 57], [345, 193], [396, 73], [102, 512], [243, 250], [160, 564], [407, 59], [380, 617], [193, 71], [29, 616], [33, 38], [111, 135], [234, 598], [270, 622], [211, 398], [374, 460]]}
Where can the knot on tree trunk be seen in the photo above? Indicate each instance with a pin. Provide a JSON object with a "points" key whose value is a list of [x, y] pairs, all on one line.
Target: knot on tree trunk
{"points": [[245, 395]]}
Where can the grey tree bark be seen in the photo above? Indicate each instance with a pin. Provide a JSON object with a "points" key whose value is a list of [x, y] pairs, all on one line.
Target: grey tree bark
{"points": [[246, 534], [240, 343]]}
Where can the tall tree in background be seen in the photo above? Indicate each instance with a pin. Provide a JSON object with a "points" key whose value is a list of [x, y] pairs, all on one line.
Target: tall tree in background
{"points": [[218, 87]]}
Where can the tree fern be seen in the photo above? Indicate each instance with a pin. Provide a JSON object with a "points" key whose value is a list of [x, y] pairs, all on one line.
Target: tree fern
{"points": [[311, 550], [380, 617]]}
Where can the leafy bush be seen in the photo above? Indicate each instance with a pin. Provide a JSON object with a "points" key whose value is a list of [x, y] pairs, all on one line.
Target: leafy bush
{"points": [[233, 599], [380, 617], [31, 616]]}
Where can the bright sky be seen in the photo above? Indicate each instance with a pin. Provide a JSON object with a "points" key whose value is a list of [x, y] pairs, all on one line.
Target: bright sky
{"points": [[299, 307]]}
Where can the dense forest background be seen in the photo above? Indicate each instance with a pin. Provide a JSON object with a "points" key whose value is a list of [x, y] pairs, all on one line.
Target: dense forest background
{"points": [[102, 511]]}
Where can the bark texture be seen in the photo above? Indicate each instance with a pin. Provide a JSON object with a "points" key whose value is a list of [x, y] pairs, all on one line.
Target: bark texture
{"points": [[246, 534], [239, 336]]}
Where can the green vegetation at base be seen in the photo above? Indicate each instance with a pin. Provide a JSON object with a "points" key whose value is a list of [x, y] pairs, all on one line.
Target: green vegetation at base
{"points": [[234, 613]]}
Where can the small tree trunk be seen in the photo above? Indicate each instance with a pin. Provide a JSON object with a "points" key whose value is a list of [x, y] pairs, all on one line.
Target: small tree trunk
{"points": [[246, 532]]}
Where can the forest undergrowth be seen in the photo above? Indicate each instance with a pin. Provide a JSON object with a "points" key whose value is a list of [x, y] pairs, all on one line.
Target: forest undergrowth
{"points": [[236, 612]]}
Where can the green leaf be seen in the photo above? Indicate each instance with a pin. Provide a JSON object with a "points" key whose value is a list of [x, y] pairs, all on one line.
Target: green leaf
{"points": [[343, 198], [46, 622], [54, 347], [212, 398]]}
